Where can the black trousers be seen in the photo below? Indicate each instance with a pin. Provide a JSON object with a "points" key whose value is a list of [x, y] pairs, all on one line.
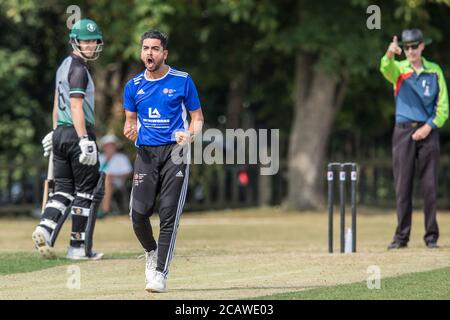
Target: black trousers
{"points": [[72, 178], [409, 156], [156, 173]]}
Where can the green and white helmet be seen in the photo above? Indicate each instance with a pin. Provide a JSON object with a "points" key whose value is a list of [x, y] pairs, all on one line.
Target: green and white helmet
{"points": [[86, 29]]}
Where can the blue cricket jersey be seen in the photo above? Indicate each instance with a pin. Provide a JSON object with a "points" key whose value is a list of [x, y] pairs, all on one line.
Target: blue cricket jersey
{"points": [[161, 105]]}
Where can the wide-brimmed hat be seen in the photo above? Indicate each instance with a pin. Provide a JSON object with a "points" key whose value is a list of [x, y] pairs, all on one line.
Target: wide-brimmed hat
{"points": [[413, 35], [109, 138]]}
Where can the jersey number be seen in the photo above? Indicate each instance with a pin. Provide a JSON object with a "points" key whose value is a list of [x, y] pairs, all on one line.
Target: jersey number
{"points": [[61, 106]]}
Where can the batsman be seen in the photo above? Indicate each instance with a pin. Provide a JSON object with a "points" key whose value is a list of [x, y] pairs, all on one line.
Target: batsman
{"points": [[78, 184]]}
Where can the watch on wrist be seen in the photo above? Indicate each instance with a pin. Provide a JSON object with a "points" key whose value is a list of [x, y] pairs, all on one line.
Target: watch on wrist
{"points": [[84, 136]]}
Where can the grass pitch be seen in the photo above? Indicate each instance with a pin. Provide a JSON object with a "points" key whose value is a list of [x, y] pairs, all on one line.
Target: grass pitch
{"points": [[238, 254], [428, 285]]}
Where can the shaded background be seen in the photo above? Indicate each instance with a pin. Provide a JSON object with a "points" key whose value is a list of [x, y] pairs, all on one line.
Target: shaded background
{"points": [[309, 68]]}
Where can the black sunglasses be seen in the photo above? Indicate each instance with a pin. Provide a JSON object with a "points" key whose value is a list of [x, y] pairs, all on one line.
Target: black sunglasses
{"points": [[412, 46]]}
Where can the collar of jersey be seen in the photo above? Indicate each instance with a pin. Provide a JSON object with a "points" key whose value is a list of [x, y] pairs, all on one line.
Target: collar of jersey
{"points": [[425, 65], [145, 75], [74, 56]]}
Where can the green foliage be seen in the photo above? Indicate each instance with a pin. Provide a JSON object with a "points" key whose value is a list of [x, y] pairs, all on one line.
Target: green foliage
{"points": [[216, 41], [28, 59], [17, 106], [123, 22], [20, 262], [18, 10]]}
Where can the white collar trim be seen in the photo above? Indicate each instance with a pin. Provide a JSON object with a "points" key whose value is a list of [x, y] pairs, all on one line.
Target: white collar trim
{"points": [[145, 75]]}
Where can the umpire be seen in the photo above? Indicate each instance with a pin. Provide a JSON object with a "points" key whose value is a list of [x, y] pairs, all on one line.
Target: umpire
{"points": [[421, 107], [156, 102], [78, 183]]}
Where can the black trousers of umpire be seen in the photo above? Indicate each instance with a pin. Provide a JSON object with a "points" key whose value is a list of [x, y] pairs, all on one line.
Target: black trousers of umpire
{"points": [[156, 172], [409, 156], [72, 178]]}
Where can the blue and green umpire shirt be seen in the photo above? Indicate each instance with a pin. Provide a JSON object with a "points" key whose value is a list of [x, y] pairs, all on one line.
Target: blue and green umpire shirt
{"points": [[419, 97]]}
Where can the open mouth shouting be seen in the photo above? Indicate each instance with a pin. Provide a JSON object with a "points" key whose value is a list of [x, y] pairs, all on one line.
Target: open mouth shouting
{"points": [[150, 63]]}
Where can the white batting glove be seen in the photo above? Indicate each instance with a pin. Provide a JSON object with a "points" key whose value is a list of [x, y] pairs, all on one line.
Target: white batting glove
{"points": [[47, 143], [88, 154]]}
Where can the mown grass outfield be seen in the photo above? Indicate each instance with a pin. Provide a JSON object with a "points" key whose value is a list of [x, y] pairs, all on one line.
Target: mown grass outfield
{"points": [[242, 254]]}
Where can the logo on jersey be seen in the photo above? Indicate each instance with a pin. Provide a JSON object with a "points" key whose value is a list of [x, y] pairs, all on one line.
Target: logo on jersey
{"points": [[179, 174], [140, 92], [138, 178], [153, 113], [426, 86], [90, 27], [169, 92]]}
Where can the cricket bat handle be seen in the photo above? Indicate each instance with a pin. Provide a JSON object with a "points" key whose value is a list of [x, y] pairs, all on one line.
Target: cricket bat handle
{"points": [[48, 181]]}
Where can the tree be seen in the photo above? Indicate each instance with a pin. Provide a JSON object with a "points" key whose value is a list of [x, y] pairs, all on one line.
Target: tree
{"points": [[25, 56], [309, 68], [325, 62]]}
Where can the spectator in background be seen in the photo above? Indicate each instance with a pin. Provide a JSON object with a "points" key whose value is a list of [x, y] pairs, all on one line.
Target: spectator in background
{"points": [[117, 168]]}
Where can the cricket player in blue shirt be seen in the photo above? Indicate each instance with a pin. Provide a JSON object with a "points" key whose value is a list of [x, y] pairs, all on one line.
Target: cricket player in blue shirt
{"points": [[156, 103]]}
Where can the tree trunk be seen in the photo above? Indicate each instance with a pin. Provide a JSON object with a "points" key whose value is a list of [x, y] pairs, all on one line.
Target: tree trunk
{"points": [[235, 105], [110, 81], [318, 97]]}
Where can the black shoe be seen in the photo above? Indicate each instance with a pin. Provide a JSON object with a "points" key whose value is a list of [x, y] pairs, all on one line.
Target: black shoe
{"points": [[397, 245], [432, 245]]}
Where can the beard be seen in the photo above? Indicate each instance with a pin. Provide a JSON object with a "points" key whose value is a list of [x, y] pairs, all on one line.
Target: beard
{"points": [[155, 67]]}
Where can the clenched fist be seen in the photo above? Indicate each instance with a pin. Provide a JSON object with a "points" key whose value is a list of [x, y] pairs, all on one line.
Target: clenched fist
{"points": [[130, 132], [183, 137]]}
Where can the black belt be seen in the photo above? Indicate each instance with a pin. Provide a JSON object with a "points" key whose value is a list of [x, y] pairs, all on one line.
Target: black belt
{"points": [[88, 127], [409, 125]]}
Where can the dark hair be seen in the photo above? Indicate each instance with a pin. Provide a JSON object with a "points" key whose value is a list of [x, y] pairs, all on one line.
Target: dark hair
{"points": [[156, 34]]}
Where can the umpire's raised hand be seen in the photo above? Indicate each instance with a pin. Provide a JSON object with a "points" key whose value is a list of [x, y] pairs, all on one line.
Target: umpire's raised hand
{"points": [[394, 48]]}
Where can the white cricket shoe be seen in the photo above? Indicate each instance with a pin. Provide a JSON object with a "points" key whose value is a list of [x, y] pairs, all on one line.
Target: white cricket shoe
{"points": [[79, 254], [151, 260], [157, 283], [41, 240]]}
